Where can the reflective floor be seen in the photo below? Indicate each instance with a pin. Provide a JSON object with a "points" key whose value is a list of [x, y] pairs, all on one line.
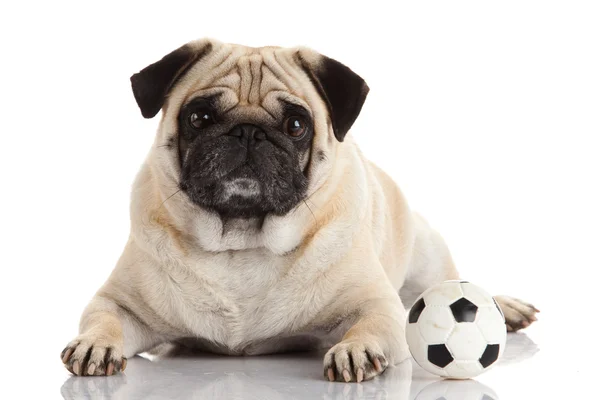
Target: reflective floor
{"points": [[299, 376]]}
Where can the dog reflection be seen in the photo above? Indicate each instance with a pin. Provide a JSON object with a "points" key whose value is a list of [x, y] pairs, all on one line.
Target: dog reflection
{"points": [[269, 378], [279, 377]]}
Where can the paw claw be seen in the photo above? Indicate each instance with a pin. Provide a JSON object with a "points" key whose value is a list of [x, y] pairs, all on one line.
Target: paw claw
{"points": [[346, 375], [76, 369], [66, 354], [360, 374], [110, 369], [330, 375], [91, 369], [124, 364], [377, 365]]}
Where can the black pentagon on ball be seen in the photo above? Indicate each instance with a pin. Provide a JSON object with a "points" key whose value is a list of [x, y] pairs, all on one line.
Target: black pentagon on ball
{"points": [[415, 311], [490, 355], [464, 310], [486, 397], [438, 354]]}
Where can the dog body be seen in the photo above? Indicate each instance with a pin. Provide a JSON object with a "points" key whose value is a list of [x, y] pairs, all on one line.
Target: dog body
{"points": [[257, 225]]}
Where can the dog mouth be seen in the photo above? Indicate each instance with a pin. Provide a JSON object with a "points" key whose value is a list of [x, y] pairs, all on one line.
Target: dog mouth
{"points": [[242, 181], [235, 191], [240, 187]]}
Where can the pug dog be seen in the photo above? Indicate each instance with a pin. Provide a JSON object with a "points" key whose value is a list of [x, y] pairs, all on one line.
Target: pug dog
{"points": [[258, 226]]}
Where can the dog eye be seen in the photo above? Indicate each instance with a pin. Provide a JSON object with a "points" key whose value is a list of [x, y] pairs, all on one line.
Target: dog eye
{"points": [[294, 126], [200, 119]]}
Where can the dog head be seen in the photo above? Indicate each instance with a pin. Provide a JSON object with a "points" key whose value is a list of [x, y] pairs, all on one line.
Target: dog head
{"points": [[248, 132]]}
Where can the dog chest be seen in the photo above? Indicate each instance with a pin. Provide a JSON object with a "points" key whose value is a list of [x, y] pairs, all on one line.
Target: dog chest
{"points": [[228, 297]]}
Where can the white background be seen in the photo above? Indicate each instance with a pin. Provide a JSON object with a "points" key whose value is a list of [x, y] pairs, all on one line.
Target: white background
{"points": [[487, 114]]}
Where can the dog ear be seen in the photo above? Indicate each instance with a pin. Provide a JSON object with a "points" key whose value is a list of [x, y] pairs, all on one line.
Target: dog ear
{"points": [[152, 84], [342, 90]]}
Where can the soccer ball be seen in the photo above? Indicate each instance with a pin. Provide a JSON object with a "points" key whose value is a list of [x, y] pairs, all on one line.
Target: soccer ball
{"points": [[457, 390], [456, 330]]}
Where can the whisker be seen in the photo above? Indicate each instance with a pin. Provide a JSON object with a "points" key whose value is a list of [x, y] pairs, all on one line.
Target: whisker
{"points": [[308, 198], [184, 177], [309, 209], [161, 204]]}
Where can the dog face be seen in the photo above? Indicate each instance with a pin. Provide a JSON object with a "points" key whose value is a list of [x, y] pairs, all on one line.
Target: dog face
{"points": [[241, 161], [249, 129]]}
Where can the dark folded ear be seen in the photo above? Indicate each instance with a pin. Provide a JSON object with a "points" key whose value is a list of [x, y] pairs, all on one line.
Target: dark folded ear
{"points": [[342, 89], [152, 84]]}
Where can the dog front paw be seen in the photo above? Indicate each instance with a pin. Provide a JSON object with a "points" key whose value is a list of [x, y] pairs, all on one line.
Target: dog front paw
{"points": [[94, 355], [354, 361]]}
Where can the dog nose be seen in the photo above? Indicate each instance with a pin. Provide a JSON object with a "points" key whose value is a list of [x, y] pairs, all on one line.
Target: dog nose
{"points": [[248, 132]]}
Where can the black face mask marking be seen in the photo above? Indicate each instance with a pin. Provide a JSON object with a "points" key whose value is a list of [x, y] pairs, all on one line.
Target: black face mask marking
{"points": [[243, 169]]}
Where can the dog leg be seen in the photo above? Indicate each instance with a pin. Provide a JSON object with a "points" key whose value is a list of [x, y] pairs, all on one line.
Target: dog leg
{"points": [[108, 335], [431, 262]]}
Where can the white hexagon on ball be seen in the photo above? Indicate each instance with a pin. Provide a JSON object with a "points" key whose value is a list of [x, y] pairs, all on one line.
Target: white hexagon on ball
{"points": [[436, 324], [466, 343], [491, 324], [455, 329]]}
